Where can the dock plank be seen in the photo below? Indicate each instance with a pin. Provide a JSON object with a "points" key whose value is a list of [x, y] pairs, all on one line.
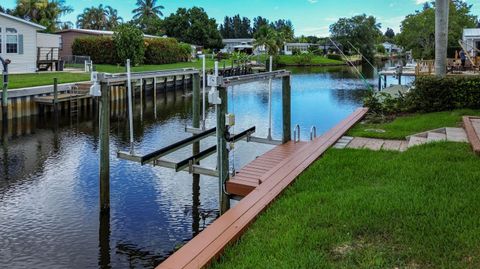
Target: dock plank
{"points": [[472, 128], [210, 243]]}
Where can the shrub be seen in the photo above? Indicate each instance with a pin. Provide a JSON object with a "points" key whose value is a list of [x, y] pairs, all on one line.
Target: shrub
{"points": [[296, 51], [129, 42], [337, 57], [381, 49], [304, 58], [166, 51], [102, 50], [439, 94]]}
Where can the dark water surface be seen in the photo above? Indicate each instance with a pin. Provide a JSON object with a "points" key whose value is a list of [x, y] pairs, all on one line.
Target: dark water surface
{"points": [[49, 215]]}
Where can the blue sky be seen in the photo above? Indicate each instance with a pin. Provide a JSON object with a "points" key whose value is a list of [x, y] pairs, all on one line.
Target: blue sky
{"points": [[310, 17]]}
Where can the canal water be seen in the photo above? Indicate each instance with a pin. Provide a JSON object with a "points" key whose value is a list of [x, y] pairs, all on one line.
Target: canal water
{"points": [[49, 212]]}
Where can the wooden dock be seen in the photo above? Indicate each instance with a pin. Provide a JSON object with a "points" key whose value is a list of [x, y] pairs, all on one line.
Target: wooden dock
{"points": [[275, 171], [63, 97]]}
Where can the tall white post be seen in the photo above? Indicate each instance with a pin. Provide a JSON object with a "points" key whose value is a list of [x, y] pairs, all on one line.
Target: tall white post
{"points": [[130, 104], [204, 79], [270, 101]]}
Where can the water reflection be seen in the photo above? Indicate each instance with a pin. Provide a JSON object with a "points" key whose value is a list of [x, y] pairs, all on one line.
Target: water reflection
{"points": [[49, 168]]}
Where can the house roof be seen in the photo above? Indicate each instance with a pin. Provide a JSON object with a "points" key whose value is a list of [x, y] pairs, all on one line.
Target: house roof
{"points": [[97, 32], [471, 32], [236, 40], [38, 26]]}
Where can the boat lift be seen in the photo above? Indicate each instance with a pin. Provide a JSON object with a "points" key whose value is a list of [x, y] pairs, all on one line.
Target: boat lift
{"points": [[218, 97]]}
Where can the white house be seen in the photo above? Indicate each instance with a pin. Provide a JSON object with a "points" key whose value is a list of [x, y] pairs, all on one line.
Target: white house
{"points": [[471, 41], [242, 44], [289, 48], [391, 48], [20, 43]]}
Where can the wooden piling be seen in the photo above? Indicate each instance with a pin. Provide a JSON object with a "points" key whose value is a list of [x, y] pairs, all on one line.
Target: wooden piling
{"points": [[196, 109], [287, 109], [55, 95], [105, 148], [223, 158]]}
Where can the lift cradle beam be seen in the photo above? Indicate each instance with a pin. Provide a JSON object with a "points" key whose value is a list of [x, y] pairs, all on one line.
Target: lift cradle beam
{"points": [[237, 80], [166, 150], [180, 166]]}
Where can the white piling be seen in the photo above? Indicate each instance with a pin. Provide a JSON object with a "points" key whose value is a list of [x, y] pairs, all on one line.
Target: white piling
{"points": [[130, 104], [204, 79], [270, 101]]}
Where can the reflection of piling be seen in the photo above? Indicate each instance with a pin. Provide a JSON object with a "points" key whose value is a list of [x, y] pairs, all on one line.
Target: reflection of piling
{"points": [[104, 240], [104, 148]]}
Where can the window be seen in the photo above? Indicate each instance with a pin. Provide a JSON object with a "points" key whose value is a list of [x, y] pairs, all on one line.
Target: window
{"points": [[11, 40]]}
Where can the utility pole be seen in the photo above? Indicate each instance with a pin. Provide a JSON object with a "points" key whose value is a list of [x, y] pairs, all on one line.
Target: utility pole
{"points": [[441, 36]]}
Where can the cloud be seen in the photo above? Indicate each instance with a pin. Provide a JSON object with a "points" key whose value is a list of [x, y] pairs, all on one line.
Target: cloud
{"points": [[312, 1]]}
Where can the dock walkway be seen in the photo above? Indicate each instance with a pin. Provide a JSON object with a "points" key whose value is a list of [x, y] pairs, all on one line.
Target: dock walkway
{"points": [[472, 127], [275, 171]]}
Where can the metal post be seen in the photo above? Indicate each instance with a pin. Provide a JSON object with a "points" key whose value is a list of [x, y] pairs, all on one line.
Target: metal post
{"points": [[379, 83], [223, 162], [286, 105], [269, 137], [105, 148], [204, 79], [385, 81], [130, 104]]}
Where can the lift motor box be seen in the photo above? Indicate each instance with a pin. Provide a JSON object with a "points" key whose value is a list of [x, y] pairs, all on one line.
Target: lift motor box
{"points": [[214, 81], [95, 88]]}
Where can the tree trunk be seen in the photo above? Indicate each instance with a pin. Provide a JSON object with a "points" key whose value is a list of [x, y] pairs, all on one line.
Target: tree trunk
{"points": [[441, 36]]}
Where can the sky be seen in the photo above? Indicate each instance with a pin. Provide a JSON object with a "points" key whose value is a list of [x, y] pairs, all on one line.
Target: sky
{"points": [[309, 17]]}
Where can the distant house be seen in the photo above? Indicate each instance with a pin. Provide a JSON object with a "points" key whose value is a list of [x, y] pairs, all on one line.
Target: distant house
{"points": [[471, 41], [289, 48], [391, 48], [243, 45], [27, 49], [68, 37]]}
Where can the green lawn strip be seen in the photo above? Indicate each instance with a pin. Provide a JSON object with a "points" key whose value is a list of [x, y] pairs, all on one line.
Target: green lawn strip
{"points": [[407, 125], [316, 60], [142, 68], [365, 209], [39, 79]]}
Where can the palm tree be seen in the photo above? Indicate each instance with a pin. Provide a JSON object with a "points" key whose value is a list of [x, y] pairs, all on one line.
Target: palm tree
{"points": [[146, 9], [441, 36], [113, 19], [44, 12], [268, 38], [95, 18]]}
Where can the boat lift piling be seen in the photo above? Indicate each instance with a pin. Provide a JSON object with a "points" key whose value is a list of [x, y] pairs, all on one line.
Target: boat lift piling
{"points": [[5, 64], [219, 97]]}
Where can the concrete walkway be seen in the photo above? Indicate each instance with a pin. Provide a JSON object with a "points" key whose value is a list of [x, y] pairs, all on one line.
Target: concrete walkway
{"points": [[442, 134]]}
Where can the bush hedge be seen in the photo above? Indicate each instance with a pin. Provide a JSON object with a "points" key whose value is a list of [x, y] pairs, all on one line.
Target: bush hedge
{"points": [[437, 94], [337, 57], [429, 94], [166, 51], [102, 50]]}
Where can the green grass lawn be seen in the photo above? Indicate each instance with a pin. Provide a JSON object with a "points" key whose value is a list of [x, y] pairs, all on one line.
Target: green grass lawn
{"points": [[408, 125], [316, 60], [39, 79], [365, 209]]}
